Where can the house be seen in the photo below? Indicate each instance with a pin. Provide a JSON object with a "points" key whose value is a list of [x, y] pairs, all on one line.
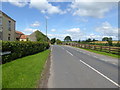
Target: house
{"points": [[7, 27], [24, 38], [18, 35], [21, 36]]}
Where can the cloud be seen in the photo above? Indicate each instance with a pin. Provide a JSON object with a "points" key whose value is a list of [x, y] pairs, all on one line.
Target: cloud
{"points": [[107, 29], [92, 9], [74, 33], [53, 30], [74, 30], [30, 30], [45, 7], [19, 3], [35, 24]]}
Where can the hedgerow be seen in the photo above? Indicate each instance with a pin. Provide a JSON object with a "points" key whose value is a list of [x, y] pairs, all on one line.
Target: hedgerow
{"points": [[20, 49]]}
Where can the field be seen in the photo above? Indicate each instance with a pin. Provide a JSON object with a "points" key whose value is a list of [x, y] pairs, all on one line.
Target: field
{"points": [[104, 42]]}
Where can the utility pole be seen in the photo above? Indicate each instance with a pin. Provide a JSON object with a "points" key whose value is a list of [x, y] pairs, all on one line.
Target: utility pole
{"points": [[46, 28]]}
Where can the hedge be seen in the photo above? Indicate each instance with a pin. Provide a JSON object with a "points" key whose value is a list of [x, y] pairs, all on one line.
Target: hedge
{"points": [[20, 49]]}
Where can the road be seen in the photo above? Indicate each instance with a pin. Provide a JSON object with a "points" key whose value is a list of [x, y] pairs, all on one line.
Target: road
{"points": [[77, 68]]}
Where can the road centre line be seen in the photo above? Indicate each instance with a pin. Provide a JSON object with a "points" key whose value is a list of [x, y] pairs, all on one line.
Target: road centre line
{"points": [[69, 52], [100, 73]]}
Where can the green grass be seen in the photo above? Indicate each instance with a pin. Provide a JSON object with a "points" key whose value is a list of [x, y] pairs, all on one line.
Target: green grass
{"points": [[103, 53], [24, 72]]}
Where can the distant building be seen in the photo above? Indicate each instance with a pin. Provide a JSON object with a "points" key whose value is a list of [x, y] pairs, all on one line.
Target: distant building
{"points": [[32, 37], [21, 36], [24, 38], [7, 27]]}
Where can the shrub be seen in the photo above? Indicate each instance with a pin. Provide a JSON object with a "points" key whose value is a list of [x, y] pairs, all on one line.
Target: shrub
{"points": [[20, 49]]}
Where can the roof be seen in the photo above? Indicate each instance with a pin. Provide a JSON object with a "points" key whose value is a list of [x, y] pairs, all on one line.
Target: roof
{"points": [[23, 36], [18, 32]]}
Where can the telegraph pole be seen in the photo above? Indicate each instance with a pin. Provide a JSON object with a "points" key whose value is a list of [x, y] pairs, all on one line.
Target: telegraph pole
{"points": [[46, 28]]}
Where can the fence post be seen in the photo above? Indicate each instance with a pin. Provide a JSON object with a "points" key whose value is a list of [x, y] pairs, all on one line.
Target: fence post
{"points": [[94, 47], [100, 48], [109, 49]]}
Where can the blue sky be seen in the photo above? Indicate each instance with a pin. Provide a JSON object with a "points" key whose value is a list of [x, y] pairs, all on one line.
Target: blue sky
{"points": [[78, 20]]}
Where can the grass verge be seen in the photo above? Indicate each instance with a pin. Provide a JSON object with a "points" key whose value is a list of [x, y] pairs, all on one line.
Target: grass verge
{"points": [[103, 53], [24, 72]]}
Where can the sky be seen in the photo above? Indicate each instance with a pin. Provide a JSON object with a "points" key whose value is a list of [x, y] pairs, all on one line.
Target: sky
{"points": [[80, 20]]}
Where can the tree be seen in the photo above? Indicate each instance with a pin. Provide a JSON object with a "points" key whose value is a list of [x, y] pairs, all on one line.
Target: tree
{"points": [[58, 41], [67, 38], [109, 40], [79, 41], [53, 40], [94, 40], [105, 39], [88, 40]]}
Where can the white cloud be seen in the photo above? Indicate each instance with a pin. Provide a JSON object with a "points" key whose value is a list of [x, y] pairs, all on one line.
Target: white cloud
{"points": [[92, 9], [74, 30], [53, 30], [19, 3], [45, 7], [35, 24], [30, 30], [107, 29]]}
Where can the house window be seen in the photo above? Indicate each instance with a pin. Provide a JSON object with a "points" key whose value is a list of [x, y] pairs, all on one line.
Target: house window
{"points": [[9, 25], [9, 37]]}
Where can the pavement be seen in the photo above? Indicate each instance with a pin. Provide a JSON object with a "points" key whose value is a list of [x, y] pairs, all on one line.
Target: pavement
{"points": [[77, 68]]}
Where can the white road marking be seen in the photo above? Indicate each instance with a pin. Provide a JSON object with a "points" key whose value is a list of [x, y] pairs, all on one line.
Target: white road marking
{"points": [[69, 52], [95, 56], [100, 73], [114, 63]]}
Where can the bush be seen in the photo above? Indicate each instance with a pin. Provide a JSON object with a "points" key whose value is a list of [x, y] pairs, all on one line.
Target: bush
{"points": [[20, 49]]}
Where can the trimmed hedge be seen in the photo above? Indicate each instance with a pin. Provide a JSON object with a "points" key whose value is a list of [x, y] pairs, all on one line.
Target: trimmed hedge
{"points": [[20, 49]]}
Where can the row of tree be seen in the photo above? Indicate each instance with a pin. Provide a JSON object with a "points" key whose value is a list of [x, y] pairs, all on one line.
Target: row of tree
{"points": [[68, 39]]}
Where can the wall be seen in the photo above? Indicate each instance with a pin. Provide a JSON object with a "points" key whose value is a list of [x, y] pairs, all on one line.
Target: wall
{"points": [[6, 32]]}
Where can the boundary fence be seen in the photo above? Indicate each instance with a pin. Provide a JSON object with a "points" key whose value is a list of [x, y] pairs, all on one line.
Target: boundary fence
{"points": [[108, 49]]}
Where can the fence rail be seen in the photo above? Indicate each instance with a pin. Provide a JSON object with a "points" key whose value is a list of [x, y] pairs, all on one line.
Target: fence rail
{"points": [[108, 49]]}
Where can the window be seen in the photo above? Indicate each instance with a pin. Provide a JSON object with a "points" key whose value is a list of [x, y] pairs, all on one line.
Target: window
{"points": [[9, 37], [9, 25]]}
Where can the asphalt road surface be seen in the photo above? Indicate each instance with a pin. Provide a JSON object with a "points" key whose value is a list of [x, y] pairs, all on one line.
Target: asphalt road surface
{"points": [[77, 68]]}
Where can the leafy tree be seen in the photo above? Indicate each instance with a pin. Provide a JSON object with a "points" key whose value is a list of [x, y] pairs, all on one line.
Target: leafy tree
{"points": [[88, 40], [58, 41], [94, 40], [109, 40], [67, 38], [53, 40], [79, 41], [105, 39]]}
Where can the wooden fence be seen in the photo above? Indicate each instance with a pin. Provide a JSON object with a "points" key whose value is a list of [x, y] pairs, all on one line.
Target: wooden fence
{"points": [[108, 49]]}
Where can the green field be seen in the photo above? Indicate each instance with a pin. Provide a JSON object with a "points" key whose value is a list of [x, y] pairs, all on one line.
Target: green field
{"points": [[24, 72]]}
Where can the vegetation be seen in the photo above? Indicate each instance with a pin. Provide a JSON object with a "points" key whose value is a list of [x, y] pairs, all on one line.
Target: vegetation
{"points": [[67, 39], [24, 72], [53, 40], [21, 49], [107, 39], [103, 53], [58, 41], [41, 37]]}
